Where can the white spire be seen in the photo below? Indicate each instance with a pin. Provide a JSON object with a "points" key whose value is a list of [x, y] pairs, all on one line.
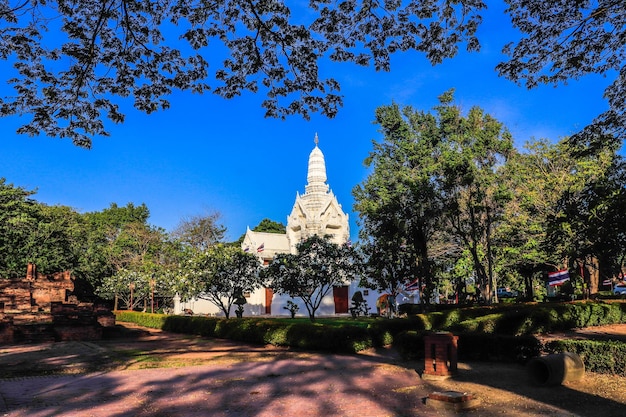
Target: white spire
{"points": [[316, 176], [317, 211]]}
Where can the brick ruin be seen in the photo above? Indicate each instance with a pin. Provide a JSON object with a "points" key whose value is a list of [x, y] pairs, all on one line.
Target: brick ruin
{"points": [[41, 307]]}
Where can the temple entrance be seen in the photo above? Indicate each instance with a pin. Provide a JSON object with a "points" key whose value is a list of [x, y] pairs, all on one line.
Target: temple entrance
{"points": [[269, 294], [340, 294]]}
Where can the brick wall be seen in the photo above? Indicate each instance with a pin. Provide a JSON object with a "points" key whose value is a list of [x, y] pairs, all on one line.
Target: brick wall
{"points": [[43, 306]]}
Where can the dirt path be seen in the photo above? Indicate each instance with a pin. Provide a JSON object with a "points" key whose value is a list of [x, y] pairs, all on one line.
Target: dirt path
{"points": [[152, 373]]}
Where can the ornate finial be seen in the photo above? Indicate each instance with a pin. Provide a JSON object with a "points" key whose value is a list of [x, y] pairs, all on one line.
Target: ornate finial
{"points": [[316, 140]]}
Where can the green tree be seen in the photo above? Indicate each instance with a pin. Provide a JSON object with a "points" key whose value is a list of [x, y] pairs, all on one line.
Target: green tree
{"points": [[473, 147], [220, 275], [270, 226], [17, 223], [310, 275], [48, 236], [398, 205], [433, 190], [589, 224], [200, 231], [102, 247], [138, 256], [55, 243], [267, 226], [538, 179]]}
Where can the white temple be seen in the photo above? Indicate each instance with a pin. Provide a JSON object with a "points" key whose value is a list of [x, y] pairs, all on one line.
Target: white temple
{"points": [[316, 212]]}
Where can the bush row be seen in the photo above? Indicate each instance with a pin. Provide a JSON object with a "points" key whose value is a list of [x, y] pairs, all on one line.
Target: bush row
{"points": [[485, 333], [526, 319], [302, 335], [154, 321], [406, 335], [474, 347], [605, 357]]}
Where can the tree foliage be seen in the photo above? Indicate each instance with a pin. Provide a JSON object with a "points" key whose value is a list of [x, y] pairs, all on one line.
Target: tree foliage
{"points": [[74, 63], [73, 60], [48, 236], [398, 206], [589, 223], [265, 226], [17, 218], [133, 253], [564, 41], [433, 179], [538, 178], [105, 234], [270, 226], [200, 231], [472, 149], [220, 275], [310, 275]]}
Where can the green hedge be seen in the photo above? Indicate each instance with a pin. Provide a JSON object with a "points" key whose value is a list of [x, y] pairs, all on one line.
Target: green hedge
{"points": [[344, 338], [154, 321], [474, 347], [525, 319], [485, 333], [497, 348], [606, 357]]}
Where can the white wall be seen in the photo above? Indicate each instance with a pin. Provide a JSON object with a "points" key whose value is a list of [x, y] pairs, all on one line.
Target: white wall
{"points": [[256, 304]]}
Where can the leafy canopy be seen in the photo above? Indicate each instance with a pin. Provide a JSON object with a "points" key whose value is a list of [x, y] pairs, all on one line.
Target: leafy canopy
{"points": [[565, 40], [72, 61], [432, 192]]}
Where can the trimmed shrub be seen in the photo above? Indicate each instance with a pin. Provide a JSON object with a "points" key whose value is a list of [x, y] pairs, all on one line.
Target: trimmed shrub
{"points": [[485, 333], [382, 332], [503, 348], [154, 321], [201, 326], [606, 357], [312, 336], [474, 347], [410, 344]]}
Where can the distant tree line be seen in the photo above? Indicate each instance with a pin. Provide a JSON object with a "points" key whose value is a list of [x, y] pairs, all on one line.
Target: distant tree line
{"points": [[449, 202], [113, 254]]}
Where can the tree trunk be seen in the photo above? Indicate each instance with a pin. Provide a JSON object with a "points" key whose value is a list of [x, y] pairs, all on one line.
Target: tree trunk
{"points": [[528, 284], [593, 271]]}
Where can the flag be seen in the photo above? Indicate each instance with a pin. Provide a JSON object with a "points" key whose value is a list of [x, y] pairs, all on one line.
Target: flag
{"points": [[607, 282], [261, 248], [413, 286], [558, 277]]}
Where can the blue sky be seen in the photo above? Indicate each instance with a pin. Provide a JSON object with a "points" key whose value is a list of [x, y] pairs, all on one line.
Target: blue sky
{"points": [[208, 154]]}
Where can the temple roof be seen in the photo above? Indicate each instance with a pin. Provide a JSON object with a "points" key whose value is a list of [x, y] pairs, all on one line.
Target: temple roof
{"points": [[264, 243]]}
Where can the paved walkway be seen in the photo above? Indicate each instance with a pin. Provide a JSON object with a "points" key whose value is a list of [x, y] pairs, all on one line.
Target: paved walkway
{"points": [[238, 380], [318, 385]]}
